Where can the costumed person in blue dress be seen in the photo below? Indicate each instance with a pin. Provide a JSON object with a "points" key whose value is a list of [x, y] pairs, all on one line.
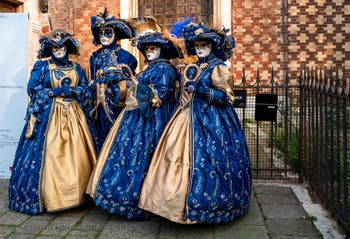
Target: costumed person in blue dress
{"points": [[108, 88], [56, 150], [200, 171], [128, 149]]}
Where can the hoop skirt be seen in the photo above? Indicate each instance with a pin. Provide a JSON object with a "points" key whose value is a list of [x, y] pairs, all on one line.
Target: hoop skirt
{"points": [[128, 149], [200, 171], [56, 150]]}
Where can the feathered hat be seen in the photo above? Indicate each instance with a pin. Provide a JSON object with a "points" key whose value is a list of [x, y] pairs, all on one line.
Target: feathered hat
{"points": [[102, 20], [57, 38], [149, 32], [222, 43]]}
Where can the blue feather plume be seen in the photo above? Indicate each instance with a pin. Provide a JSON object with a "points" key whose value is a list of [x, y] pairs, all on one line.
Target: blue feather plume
{"points": [[176, 31]]}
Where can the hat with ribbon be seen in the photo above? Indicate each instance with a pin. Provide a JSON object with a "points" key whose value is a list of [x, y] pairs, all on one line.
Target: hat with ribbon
{"points": [[222, 43], [149, 32], [168, 49], [55, 39]]}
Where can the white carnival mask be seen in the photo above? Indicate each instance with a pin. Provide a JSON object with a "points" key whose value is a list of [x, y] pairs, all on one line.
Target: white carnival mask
{"points": [[203, 48], [59, 52], [152, 52], [106, 36]]}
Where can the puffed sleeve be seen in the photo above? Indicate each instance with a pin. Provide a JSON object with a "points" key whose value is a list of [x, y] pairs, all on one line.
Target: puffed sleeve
{"points": [[222, 80], [36, 77], [162, 81], [82, 90]]}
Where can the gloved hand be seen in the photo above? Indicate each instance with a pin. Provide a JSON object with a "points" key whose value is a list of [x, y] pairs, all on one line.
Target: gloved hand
{"points": [[192, 86], [156, 102], [113, 75], [55, 92], [67, 91]]}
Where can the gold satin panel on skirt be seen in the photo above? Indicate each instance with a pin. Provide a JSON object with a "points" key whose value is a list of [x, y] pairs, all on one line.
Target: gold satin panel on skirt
{"points": [[69, 157], [165, 187], [102, 158]]}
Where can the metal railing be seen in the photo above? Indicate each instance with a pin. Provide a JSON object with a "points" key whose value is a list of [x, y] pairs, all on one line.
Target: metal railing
{"points": [[273, 144], [324, 138], [308, 139]]}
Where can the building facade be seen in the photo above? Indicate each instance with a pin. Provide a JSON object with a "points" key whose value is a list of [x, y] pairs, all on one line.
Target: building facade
{"points": [[37, 19], [283, 34]]}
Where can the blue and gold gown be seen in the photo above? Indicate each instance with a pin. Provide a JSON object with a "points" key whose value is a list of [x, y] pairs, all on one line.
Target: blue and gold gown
{"points": [[56, 150], [127, 151], [200, 171], [107, 106]]}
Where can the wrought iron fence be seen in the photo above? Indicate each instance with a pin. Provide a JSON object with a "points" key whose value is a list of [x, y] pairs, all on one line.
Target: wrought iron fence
{"points": [[269, 112], [324, 138], [309, 136]]}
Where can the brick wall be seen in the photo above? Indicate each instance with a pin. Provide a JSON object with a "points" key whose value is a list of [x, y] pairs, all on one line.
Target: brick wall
{"points": [[59, 13], [317, 35], [317, 31], [74, 16], [256, 26]]}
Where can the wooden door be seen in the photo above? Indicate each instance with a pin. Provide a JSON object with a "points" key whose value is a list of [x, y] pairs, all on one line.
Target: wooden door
{"points": [[169, 11], [9, 6]]}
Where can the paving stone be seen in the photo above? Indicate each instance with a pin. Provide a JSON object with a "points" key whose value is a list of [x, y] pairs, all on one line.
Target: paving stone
{"points": [[48, 237], [290, 227], [283, 199], [60, 226], [32, 227], [3, 203], [6, 230], [13, 218], [20, 236], [4, 184], [273, 211], [75, 234], [44, 217], [93, 221], [253, 217], [80, 211], [293, 237], [171, 230], [253, 198], [241, 232], [76, 212], [130, 229], [272, 189], [97, 211]]}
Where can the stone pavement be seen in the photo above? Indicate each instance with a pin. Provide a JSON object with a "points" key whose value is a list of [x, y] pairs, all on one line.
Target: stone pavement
{"points": [[275, 212]]}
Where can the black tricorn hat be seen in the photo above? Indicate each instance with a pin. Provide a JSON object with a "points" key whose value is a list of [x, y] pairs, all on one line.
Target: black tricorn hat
{"points": [[102, 20]]}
